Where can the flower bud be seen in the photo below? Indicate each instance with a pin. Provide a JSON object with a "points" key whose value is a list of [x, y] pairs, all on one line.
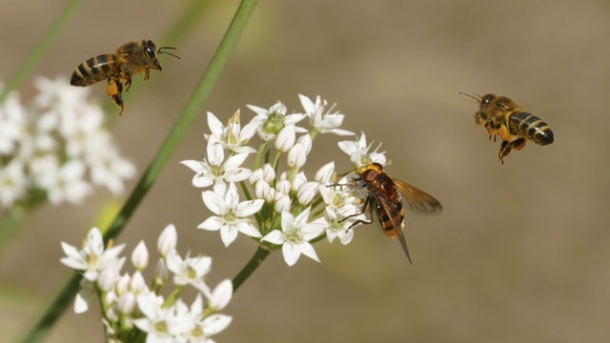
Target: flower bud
{"points": [[285, 138], [325, 174], [127, 303], [261, 189], [162, 274], [305, 141], [167, 240], [282, 202], [307, 192], [298, 180], [137, 284], [139, 257], [297, 156], [283, 185]]}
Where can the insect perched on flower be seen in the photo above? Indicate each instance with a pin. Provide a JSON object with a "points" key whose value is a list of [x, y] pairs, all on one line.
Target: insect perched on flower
{"points": [[503, 117], [384, 197], [130, 59]]}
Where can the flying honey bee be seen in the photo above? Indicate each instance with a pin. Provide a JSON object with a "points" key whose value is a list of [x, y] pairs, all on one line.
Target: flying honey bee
{"points": [[502, 117], [384, 197], [129, 60]]}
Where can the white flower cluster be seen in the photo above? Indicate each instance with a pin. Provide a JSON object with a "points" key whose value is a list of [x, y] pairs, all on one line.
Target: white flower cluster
{"points": [[127, 302], [57, 144], [282, 207]]}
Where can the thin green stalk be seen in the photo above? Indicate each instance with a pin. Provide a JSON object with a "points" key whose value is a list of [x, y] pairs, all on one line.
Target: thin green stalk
{"points": [[42, 46], [256, 260], [200, 94]]}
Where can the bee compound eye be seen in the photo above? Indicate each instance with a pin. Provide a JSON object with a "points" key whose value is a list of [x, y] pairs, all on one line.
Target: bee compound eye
{"points": [[149, 52]]}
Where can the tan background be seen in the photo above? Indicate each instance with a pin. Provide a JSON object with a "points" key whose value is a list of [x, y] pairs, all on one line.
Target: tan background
{"points": [[520, 253]]}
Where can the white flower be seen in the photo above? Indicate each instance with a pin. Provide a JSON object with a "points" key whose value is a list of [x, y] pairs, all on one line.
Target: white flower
{"points": [[295, 236], [160, 324], [221, 295], [320, 121], [13, 183], [65, 183], [274, 119], [92, 259], [107, 167], [12, 123], [213, 170], [203, 329], [232, 136], [359, 152], [190, 271], [230, 214]]}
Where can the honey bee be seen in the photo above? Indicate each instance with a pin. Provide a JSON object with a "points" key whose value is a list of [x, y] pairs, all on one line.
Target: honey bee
{"points": [[384, 197], [502, 117], [130, 59]]}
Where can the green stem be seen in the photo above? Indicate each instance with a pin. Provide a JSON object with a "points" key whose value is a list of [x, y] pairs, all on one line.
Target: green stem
{"points": [[256, 260], [42, 46], [200, 94]]}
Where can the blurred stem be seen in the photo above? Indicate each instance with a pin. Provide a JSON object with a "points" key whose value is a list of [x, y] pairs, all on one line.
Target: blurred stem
{"points": [[40, 49], [256, 260], [200, 94]]}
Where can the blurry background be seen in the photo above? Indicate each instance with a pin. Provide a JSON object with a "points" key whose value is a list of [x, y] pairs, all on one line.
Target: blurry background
{"points": [[521, 250]]}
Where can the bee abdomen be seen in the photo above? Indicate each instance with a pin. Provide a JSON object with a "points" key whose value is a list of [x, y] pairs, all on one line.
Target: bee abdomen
{"points": [[529, 126], [93, 70]]}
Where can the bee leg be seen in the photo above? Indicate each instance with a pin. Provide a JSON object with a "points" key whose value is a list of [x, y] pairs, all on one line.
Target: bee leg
{"points": [[146, 74], [114, 88], [128, 83], [504, 133], [505, 149], [518, 144]]}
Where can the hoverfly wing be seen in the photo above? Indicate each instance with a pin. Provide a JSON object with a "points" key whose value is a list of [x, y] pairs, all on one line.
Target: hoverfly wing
{"points": [[417, 199], [395, 220]]}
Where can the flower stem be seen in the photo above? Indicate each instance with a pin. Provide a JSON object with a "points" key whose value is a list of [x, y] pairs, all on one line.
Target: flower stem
{"points": [[256, 260], [42, 46], [189, 112]]}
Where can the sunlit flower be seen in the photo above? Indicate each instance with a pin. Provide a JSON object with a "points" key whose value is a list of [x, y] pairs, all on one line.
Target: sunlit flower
{"points": [[232, 136], [320, 121], [274, 119], [359, 152], [295, 236], [231, 216], [92, 258], [215, 170]]}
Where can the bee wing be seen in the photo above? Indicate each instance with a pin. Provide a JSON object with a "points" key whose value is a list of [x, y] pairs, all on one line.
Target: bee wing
{"points": [[417, 199], [389, 209]]}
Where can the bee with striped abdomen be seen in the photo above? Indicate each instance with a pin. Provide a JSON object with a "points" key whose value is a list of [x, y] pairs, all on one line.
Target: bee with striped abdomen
{"points": [[384, 197], [129, 60], [502, 117]]}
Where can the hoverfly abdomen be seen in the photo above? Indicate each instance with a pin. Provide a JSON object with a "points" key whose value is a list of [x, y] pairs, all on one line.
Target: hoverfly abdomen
{"points": [[529, 126], [385, 196], [93, 70]]}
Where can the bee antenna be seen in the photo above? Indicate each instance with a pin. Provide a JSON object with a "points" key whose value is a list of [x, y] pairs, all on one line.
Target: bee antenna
{"points": [[160, 51], [471, 96]]}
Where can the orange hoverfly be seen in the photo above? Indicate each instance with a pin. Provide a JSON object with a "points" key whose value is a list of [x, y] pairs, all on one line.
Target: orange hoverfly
{"points": [[502, 117], [384, 198], [130, 59]]}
